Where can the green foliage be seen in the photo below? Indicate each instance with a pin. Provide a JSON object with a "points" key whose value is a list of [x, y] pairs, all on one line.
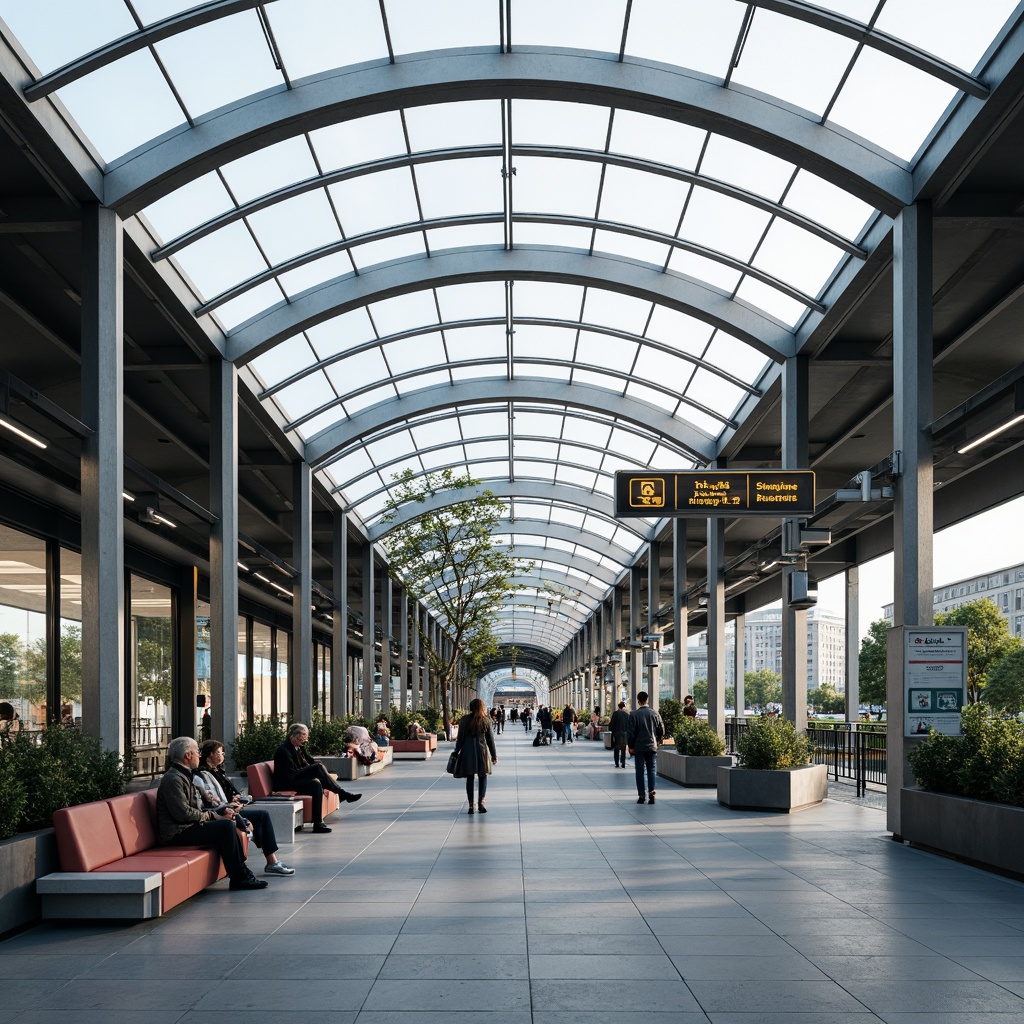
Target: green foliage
{"points": [[13, 797], [63, 768], [697, 739], [871, 670], [988, 640], [399, 721], [326, 735], [1004, 684], [671, 711], [431, 717], [762, 688], [699, 693], [257, 741], [985, 762], [447, 557], [826, 701], [773, 743], [350, 720]]}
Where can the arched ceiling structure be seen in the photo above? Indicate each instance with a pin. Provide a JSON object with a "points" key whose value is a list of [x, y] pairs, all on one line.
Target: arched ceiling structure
{"points": [[536, 242]]}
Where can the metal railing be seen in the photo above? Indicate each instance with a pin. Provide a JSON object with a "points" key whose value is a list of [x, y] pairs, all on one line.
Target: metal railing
{"points": [[850, 753]]}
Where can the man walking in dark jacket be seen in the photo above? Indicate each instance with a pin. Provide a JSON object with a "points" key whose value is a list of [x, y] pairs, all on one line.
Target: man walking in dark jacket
{"points": [[645, 732], [619, 725]]}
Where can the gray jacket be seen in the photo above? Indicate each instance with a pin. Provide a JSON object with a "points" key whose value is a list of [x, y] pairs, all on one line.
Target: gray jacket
{"points": [[176, 808], [646, 729]]}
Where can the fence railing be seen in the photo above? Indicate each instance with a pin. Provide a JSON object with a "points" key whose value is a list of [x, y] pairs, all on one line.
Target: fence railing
{"points": [[850, 753]]}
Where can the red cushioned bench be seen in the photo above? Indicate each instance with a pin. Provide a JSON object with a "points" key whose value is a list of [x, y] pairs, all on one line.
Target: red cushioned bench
{"points": [[261, 785], [113, 867], [413, 750]]}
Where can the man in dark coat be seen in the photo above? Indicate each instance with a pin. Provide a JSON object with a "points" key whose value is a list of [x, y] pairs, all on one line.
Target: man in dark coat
{"points": [[618, 726], [294, 769]]}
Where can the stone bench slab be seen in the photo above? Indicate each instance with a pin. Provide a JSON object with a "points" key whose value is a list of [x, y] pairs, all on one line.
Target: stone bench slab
{"points": [[120, 895]]}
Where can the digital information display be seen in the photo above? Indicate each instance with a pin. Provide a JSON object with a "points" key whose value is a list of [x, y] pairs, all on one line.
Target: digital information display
{"points": [[934, 679], [704, 493]]}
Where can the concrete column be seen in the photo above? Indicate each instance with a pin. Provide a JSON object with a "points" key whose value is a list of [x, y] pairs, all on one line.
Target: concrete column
{"points": [[653, 603], [634, 655], [794, 622], [224, 667], [369, 628], [716, 625], [339, 627], [913, 526], [853, 644], [680, 668], [300, 697], [403, 657], [103, 604], [386, 626]]}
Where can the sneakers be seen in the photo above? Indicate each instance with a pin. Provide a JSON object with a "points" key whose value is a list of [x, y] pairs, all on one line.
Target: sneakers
{"points": [[640, 799], [278, 869], [322, 828], [252, 882], [350, 798], [470, 811], [481, 808], [650, 799]]}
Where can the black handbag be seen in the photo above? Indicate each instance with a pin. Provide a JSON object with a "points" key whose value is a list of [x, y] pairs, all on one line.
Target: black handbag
{"points": [[453, 760]]}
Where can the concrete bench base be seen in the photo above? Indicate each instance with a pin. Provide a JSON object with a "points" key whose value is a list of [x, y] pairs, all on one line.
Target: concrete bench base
{"points": [[118, 895]]}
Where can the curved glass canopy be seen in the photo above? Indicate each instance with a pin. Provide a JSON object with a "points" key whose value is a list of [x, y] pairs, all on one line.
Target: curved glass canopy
{"points": [[536, 242]]}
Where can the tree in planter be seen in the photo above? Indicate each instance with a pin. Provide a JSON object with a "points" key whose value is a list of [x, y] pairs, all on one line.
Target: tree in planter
{"points": [[695, 738], [1004, 684], [446, 557], [988, 640], [257, 741], [871, 664], [671, 711]]}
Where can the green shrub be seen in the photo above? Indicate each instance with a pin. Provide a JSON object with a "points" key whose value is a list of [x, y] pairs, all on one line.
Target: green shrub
{"points": [[257, 741], [771, 744], [350, 720], [326, 735], [64, 768], [671, 711], [13, 797], [431, 717], [697, 739]]}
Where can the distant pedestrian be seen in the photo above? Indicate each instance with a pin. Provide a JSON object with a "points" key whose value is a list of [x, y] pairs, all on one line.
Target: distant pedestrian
{"points": [[568, 719], [619, 726], [644, 734], [527, 717]]}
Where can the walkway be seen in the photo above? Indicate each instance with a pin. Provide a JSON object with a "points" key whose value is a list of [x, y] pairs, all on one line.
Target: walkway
{"points": [[412, 911]]}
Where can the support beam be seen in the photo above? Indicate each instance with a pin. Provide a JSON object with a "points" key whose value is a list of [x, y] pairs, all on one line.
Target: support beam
{"points": [[369, 628], [339, 628], [680, 666], [301, 689], [716, 625]]}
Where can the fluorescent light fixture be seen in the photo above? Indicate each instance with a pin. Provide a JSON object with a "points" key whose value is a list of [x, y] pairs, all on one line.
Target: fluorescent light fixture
{"points": [[992, 433], [281, 569], [22, 432], [242, 566], [156, 518], [127, 495], [260, 576]]}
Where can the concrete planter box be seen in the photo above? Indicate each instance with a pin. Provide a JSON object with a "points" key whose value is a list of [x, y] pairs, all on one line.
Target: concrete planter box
{"points": [[985, 834], [688, 770], [348, 768], [789, 789], [23, 859]]}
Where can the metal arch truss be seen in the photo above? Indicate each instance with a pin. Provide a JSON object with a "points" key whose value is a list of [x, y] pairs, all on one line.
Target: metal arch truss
{"points": [[488, 683], [154, 170]]}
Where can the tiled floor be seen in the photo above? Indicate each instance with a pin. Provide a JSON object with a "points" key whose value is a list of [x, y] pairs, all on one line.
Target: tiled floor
{"points": [[567, 902]]}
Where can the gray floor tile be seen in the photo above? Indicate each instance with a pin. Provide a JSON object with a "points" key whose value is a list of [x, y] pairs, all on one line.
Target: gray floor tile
{"points": [[612, 968], [733, 968], [780, 996], [994, 968], [258, 996], [621, 997], [467, 966], [454, 995], [910, 968], [296, 966], [891, 996]]}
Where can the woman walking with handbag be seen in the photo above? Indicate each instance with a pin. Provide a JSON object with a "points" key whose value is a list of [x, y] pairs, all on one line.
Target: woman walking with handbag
{"points": [[475, 751]]}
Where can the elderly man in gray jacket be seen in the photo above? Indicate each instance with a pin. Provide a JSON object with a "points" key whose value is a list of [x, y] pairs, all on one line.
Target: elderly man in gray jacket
{"points": [[644, 734], [180, 822]]}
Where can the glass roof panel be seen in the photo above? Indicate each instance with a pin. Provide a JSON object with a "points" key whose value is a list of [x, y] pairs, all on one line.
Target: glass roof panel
{"points": [[484, 424], [792, 60], [667, 370], [797, 257], [771, 301], [553, 342], [723, 224], [426, 380], [622, 312], [654, 138], [957, 32], [357, 370], [630, 444], [222, 259], [280, 362], [643, 393], [386, 449], [709, 271], [828, 205], [893, 105], [450, 125], [436, 432], [711, 391], [248, 305], [478, 236], [680, 330], [416, 26], [551, 235], [353, 464], [597, 27], [185, 207], [534, 449], [460, 186], [533, 470], [269, 169], [577, 477], [359, 141], [375, 201], [543, 185], [327, 268], [437, 460], [487, 449], [398, 248], [746, 167], [736, 357], [146, 105], [600, 350], [358, 490], [235, 46], [548, 301], [318, 423], [555, 123], [303, 397], [463, 345], [618, 243], [541, 371], [404, 312], [471, 301], [582, 456], [675, 33], [341, 333], [415, 353], [295, 226], [344, 34], [646, 200]]}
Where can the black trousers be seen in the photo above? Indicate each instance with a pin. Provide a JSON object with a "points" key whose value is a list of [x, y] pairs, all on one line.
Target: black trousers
{"points": [[263, 834], [223, 836], [312, 781]]}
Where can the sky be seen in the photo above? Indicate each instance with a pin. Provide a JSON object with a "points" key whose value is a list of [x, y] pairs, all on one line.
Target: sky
{"points": [[987, 542]]}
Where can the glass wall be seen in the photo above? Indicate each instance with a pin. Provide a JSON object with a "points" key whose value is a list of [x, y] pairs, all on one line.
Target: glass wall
{"points": [[71, 637], [203, 670], [23, 628], [151, 671], [262, 670]]}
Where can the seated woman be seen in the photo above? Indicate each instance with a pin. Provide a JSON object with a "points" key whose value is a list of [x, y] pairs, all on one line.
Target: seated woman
{"points": [[415, 731], [10, 722], [359, 745], [382, 731], [218, 791]]}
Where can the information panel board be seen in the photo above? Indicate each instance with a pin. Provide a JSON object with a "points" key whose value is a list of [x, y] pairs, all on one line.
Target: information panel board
{"points": [[704, 493], [934, 679]]}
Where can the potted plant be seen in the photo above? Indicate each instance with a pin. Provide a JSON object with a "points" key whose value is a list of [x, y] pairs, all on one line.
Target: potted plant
{"points": [[699, 753], [775, 773], [969, 798]]}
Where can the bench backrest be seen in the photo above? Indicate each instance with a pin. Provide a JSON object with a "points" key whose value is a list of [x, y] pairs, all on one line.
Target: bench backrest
{"points": [[134, 818], [86, 836], [261, 778]]}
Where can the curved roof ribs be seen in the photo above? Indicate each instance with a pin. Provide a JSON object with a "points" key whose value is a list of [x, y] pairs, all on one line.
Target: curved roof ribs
{"points": [[154, 170]]}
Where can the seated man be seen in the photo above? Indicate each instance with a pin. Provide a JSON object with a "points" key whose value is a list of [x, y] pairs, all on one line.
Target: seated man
{"points": [[294, 769], [180, 822]]}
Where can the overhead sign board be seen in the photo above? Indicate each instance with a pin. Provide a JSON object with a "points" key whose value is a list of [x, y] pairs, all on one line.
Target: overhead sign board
{"points": [[706, 493]]}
